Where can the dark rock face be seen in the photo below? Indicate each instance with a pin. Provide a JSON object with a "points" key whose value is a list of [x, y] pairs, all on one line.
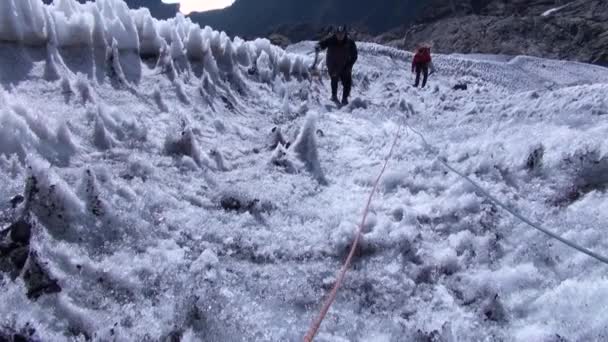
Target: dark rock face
{"points": [[17, 259], [21, 232], [14, 247], [248, 18], [15, 201], [578, 31], [25, 334], [279, 40], [37, 279], [301, 32], [158, 9]]}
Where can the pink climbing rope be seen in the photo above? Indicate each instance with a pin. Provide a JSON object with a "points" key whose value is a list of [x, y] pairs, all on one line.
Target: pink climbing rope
{"points": [[316, 324]]}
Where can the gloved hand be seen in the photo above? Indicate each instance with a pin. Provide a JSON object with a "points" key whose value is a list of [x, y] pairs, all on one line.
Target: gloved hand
{"points": [[317, 48]]}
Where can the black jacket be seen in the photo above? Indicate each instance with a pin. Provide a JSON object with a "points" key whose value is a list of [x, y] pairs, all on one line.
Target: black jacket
{"points": [[341, 55]]}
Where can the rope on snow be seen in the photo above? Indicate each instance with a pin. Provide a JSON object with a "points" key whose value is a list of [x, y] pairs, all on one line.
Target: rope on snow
{"points": [[314, 328], [506, 207], [316, 324]]}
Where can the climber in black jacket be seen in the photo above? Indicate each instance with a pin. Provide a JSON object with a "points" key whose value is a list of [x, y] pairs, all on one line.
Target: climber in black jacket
{"points": [[341, 57]]}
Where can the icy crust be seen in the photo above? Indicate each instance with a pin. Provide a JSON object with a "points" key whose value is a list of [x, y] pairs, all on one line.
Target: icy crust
{"points": [[112, 25], [202, 189]]}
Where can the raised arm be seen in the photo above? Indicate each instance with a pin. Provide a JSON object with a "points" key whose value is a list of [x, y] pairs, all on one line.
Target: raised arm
{"points": [[324, 44]]}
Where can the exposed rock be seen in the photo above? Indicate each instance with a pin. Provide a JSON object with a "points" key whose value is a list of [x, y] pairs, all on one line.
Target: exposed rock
{"points": [[252, 18], [174, 336], [578, 31], [242, 203], [279, 40], [37, 279], [230, 203], [563, 29], [422, 336], [21, 232], [460, 86], [535, 159], [15, 201], [26, 334], [16, 258], [300, 32], [493, 310], [14, 247], [12, 259]]}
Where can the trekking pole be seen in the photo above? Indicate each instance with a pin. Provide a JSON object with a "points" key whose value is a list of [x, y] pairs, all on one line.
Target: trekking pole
{"points": [[314, 64], [313, 68], [432, 67]]}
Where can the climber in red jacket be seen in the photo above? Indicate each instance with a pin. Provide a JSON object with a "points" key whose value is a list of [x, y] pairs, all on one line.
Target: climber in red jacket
{"points": [[421, 63]]}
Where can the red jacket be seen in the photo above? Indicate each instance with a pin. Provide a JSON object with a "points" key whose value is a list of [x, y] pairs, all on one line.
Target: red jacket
{"points": [[423, 56]]}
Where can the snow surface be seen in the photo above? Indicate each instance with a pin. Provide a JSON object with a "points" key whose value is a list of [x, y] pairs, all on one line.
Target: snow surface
{"points": [[169, 204]]}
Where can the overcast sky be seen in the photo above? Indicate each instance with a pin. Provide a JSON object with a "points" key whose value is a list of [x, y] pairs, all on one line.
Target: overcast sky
{"points": [[187, 6]]}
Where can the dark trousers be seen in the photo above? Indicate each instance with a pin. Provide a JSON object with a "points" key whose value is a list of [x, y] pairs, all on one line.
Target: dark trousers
{"points": [[346, 78], [424, 69]]}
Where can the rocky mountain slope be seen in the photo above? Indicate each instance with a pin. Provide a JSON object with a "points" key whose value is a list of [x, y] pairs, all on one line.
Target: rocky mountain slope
{"points": [[563, 29], [575, 30], [258, 17]]}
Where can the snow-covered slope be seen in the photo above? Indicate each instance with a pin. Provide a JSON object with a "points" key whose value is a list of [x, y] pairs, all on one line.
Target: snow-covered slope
{"points": [[172, 194]]}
